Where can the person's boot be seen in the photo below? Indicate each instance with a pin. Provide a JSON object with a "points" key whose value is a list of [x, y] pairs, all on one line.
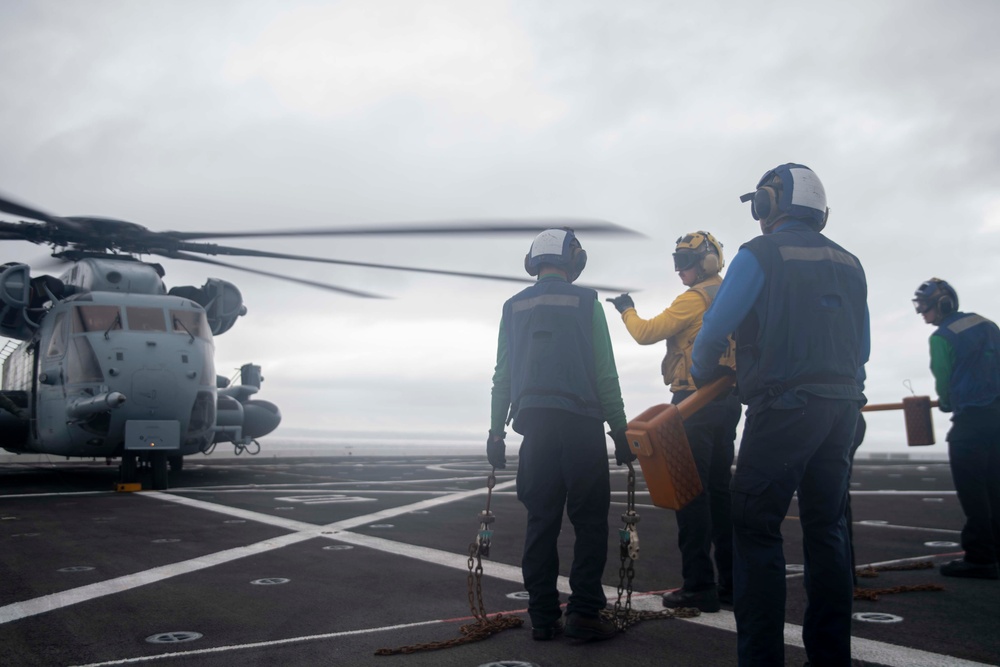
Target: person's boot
{"points": [[589, 628], [706, 600], [544, 633], [963, 568]]}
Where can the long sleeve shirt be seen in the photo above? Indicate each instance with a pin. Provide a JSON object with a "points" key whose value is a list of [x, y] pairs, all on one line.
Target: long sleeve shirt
{"points": [[678, 325], [942, 362]]}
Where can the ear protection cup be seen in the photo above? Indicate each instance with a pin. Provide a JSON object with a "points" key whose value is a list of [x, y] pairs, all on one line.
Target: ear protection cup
{"points": [[764, 203], [576, 263], [527, 266], [936, 293], [947, 305], [710, 264]]}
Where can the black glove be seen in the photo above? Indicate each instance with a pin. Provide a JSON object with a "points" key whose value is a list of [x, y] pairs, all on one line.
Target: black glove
{"points": [[622, 303], [623, 453], [496, 449], [719, 371]]}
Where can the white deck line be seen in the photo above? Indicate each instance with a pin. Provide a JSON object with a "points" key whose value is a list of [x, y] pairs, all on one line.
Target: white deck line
{"points": [[886, 654]]}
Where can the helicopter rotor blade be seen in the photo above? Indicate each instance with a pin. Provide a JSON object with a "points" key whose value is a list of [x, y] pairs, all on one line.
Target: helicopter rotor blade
{"points": [[12, 207], [213, 249], [494, 226], [279, 276], [23, 210]]}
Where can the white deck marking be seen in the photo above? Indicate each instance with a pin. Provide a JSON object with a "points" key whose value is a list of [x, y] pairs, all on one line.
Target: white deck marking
{"points": [[880, 653], [40, 605], [890, 492], [886, 654], [301, 531], [920, 528], [275, 642]]}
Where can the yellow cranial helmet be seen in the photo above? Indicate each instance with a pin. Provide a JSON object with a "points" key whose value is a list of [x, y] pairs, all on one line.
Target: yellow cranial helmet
{"points": [[701, 249]]}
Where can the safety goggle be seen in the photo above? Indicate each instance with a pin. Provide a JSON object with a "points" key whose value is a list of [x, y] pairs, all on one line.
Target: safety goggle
{"points": [[685, 260]]}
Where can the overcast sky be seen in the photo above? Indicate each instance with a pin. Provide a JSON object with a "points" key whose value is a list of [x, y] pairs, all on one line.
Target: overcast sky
{"points": [[236, 115]]}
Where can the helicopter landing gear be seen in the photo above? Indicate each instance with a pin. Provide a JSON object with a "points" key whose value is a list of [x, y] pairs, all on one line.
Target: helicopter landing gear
{"points": [[128, 469], [158, 463], [176, 463]]}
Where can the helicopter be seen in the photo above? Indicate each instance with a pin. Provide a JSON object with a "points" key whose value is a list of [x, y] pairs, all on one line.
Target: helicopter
{"points": [[111, 363]]}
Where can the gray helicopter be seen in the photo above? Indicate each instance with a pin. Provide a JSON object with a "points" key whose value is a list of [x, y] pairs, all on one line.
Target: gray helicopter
{"points": [[111, 363]]}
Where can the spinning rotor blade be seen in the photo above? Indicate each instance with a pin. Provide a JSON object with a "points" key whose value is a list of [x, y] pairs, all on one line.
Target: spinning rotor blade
{"points": [[213, 249], [497, 226], [14, 208], [279, 276]]}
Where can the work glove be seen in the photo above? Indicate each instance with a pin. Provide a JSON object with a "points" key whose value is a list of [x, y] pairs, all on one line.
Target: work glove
{"points": [[623, 453], [622, 303], [718, 372], [496, 450]]}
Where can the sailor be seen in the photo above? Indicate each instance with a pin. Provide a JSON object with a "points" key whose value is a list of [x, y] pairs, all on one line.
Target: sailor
{"points": [[711, 432], [556, 374], [797, 302], [965, 361]]}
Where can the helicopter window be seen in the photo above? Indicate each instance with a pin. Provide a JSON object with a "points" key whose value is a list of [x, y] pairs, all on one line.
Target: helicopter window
{"points": [[191, 322], [82, 364], [57, 345], [96, 318], [145, 319]]}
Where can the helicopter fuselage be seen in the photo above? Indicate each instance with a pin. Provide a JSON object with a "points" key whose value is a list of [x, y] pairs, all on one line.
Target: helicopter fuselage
{"points": [[105, 359], [116, 366]]}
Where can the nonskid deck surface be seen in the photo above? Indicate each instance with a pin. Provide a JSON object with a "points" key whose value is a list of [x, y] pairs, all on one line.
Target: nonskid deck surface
{"points": [[322, 561]]}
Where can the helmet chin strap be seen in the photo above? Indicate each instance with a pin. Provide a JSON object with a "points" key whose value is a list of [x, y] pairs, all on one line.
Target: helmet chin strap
{"points": [[767, 226]]}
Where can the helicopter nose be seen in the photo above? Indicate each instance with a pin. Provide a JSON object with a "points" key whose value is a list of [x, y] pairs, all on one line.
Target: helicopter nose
{"points": [[154, 389]]}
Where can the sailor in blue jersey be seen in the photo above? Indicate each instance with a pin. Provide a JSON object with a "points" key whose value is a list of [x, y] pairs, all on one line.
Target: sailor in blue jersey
{"points": [[797, 303], [965, 361], [556, 379]]}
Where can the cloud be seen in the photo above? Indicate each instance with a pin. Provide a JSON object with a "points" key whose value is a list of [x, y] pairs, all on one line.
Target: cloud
{"points": [[255, 115]]}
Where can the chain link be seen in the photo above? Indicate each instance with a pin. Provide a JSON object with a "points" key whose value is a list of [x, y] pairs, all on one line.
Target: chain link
{"points": [[623, 616], [628, 552], [871, 571], [484, 626]]}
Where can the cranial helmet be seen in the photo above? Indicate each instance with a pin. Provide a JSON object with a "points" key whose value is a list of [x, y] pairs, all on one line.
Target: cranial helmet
{"points": [[699, 249], [789, 190], [935, 292], [559, 248]]}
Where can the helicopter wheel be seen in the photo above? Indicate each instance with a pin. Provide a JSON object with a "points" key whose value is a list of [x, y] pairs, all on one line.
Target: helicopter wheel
{"points": [[176, 463], [159, 464], [128, 469]]}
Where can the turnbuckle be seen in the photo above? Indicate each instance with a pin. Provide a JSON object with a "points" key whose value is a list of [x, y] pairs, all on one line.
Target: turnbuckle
{"points": [[485, 533], [629, 536]]}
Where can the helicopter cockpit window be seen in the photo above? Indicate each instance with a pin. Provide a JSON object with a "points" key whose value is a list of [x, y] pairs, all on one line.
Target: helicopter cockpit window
{"points": [[82, 364], [191, 322], [57, 344], [145, 319], [96, 318]]}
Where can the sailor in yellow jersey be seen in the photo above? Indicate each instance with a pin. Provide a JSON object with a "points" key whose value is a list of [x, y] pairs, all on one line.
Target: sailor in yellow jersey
{"points": [[711, 432]]}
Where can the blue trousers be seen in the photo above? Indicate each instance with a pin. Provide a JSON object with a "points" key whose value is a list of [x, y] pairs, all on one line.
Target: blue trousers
{"points": [[563, 465], [804, 450], [974, 454], [707, 520]]}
